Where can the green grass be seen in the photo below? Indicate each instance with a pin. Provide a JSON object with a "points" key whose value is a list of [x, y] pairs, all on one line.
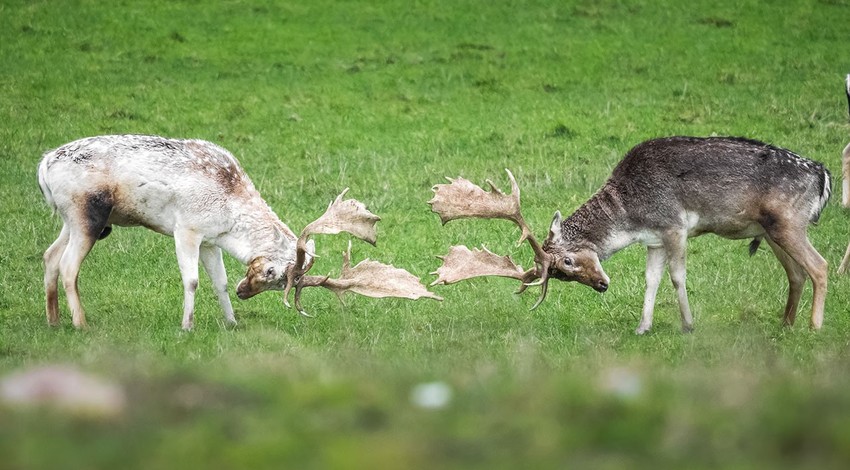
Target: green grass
{"points": [[387, 98]]}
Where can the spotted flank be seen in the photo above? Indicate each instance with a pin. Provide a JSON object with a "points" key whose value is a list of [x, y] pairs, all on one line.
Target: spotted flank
{"points": [[170, 156], [824, 177]]}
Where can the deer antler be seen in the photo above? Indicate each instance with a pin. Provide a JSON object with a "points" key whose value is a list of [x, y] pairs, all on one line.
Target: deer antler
{"points": [[372, 279], [368, 278], [463, 199], [461, 263]]}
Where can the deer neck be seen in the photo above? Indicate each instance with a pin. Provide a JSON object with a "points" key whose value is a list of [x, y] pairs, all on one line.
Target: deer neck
{"points": [[600, 224], [257, 232]]}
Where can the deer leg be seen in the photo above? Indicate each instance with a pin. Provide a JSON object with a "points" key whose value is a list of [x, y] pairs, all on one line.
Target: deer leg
{"points": [[796, 281], [79, 246], [796, 244], [52, 256], [188, 244], [655, 261], [85, 225], [845, 262], [214, 265], [675, 245]]}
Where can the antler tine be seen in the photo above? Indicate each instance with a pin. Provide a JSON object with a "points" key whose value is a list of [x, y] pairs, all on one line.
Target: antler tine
{"points": [[544, 282], [542, 259], [494, 188], [527, 235], [530, 278], [307, 281]]}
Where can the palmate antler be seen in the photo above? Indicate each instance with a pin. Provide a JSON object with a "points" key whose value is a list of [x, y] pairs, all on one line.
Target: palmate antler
{"points": [[368, 278], [463, 199]]}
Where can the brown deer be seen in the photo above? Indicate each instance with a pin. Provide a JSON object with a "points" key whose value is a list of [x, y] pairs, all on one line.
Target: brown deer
{"points": [[663, 192], [196, 192]]}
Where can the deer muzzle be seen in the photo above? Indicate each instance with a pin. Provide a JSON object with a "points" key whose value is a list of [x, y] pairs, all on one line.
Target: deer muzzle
{"points": [[244, 290]]}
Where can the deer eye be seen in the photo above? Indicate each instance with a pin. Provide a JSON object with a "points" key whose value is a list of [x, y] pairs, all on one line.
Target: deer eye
{"points": [[270, 272], [567, 262]]}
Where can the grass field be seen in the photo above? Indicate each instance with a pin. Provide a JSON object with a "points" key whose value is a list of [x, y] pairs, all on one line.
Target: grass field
{"points": [[387, 98]]}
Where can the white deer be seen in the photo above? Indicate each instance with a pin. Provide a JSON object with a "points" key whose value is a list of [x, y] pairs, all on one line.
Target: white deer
{"points": [[196, 192]]}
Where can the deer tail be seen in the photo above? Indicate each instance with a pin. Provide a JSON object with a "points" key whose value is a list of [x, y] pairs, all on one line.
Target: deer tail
{"points": [[826, 192], [42, 184], [754, 245]]}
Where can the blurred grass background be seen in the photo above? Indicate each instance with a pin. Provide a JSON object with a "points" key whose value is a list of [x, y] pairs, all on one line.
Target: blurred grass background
{"points": [[387, 98]]}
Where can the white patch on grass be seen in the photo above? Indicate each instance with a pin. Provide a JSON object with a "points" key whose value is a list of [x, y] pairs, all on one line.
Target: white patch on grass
{"points": [[63, 388], [431, 395], [622, 382]]}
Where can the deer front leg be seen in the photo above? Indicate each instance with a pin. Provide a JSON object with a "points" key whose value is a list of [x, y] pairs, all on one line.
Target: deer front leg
{"points": [[187, 244], [214, 265], [655, 261], [675, 245]]}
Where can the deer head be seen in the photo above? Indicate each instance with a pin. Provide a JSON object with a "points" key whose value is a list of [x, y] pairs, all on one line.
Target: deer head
{"points": [[368, 278], [463, 199], [577, 262]]}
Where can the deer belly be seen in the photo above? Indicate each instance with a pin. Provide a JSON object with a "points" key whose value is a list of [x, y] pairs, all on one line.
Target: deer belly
{"points": [[149, 209], [734, 227]]}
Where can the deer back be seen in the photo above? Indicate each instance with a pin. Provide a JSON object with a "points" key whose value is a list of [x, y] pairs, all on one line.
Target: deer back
{"points": [[151, 181], [719, 180]]}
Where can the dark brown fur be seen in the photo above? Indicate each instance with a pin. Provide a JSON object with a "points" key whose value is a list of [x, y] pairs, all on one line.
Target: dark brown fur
{"points": [[667, 190], [98, 207]]}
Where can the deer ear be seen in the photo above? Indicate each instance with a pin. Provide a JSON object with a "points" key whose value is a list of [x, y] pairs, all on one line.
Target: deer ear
{"points": [[555, 228]]}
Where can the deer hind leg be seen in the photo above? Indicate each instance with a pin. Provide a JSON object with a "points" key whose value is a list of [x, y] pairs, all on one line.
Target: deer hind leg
{"points": [[188, 244], [52, 256], [85, 224], [79, 245], [845, 262], [214, 265], [655, 261], [796, 244], [675, 245], [796, 281]]}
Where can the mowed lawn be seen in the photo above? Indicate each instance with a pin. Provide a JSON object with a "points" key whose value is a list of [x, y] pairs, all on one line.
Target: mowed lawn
{"points": [[387, 98]]}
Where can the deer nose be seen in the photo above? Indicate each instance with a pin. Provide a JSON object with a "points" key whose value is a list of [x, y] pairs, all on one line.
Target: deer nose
{"points": [[242, 294], [243, 291], [601, 286]]}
